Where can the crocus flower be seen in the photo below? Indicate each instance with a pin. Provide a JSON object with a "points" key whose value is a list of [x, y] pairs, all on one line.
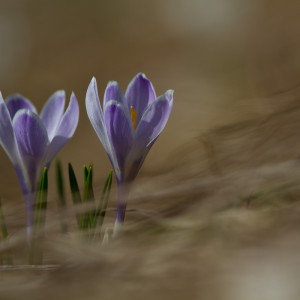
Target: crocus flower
{"points": [[128, 126], [31, 141]]}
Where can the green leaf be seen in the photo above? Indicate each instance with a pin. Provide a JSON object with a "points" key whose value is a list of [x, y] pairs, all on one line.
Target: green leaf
{"points": [[74, 186], [88, 195], [41, 201], [101, 210], [85, 174], [60, 184], [61, 195], [88, 220], [74, 191]]}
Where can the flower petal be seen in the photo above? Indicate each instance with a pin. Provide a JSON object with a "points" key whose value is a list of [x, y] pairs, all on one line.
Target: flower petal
{"points": [[31, 133], [55, 146], [32, 139], [151, 125], [119, 130], [95, 114], [7, 136], [140, 94], [69, 121], [113, 92], [16, 102], [154, 119], [52, 112], [65, 130]]}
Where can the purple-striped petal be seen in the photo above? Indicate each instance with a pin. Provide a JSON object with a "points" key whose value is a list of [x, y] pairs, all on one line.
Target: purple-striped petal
{"points": [[65, 130], [113, 92], [7, 136], [154, 119], [119, 130], [16, 102], [151, 125], [140, 94], [31, 133], [95, 113], [32, 139], [52, 112]]}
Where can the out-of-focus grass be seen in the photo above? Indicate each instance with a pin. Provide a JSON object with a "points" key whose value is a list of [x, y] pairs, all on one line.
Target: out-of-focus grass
{"points": [[215, 235]]}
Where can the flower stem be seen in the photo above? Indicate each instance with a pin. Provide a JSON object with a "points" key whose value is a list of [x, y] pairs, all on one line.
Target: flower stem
{"points": [[30, 205], [123, 192], [121, 212], [29, 200]]}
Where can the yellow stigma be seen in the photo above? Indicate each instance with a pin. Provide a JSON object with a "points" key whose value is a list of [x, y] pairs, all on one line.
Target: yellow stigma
{"points": [[133, 115]]}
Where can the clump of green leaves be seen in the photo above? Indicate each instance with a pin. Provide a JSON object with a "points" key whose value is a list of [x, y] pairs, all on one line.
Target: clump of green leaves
{"points": [[89, 219]]}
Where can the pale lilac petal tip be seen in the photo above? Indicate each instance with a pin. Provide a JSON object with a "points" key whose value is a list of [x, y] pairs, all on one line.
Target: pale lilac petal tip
{"points": [[155, 118], [113, 92], [95, 114], [69, 120], [65, 130], [16, 102], [92, 102], [169, 96], [140, 94], [7, 135], [52, 112]]}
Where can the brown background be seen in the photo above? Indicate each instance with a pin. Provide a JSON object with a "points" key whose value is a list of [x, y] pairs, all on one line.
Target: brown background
{"points": [[226, 62], [224, 223]]}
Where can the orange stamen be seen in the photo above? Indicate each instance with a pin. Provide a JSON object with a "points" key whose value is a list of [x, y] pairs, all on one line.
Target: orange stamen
{"points": [[133, 115]]}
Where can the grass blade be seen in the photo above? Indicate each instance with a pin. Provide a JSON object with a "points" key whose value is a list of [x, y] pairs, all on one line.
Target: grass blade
{"points": [[61, 195], [85, 174], [60, 184], [41, 201], [75, 192], [74, 186], [88, 195]]}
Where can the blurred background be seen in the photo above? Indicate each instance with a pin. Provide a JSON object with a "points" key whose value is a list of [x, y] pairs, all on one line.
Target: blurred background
{"points": [[230, 228], [228, 61]]}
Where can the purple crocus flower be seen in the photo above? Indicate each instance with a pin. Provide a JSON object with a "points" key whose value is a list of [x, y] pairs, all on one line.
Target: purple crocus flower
{"points": [[31, 141], [128, 126]]}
